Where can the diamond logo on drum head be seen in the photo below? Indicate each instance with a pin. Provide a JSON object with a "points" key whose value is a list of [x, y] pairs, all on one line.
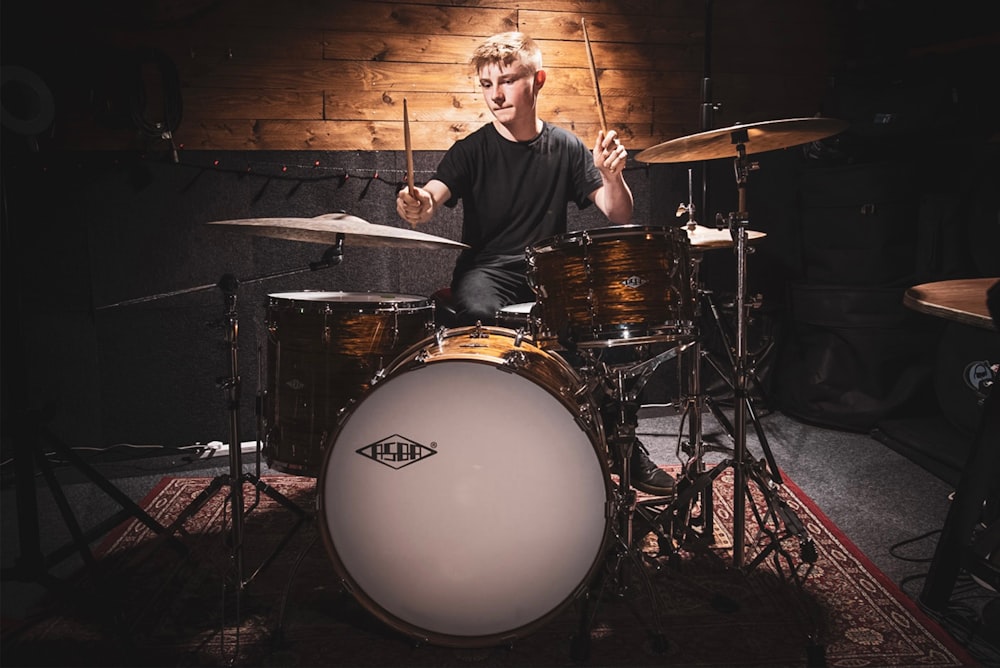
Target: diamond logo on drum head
{"points": [[396, 451], [634, 282]]}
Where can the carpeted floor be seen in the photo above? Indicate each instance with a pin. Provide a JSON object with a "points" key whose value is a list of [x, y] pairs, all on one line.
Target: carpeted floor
{"points": [[152, 602], [866, 507]]}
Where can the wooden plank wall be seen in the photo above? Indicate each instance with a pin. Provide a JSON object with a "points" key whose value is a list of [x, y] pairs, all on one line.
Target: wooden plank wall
{"points": [[331, 74]]}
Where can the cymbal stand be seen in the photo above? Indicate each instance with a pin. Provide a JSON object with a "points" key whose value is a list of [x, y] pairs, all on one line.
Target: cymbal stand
{"points": [[778, 511], [738, 224], [745, 470]]}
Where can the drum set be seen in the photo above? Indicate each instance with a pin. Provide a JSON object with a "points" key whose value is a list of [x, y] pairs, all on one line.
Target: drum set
{"points": [[466, 487]]}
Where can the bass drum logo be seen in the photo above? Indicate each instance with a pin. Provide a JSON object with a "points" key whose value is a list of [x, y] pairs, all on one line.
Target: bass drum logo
{"points": [[397, 451]]}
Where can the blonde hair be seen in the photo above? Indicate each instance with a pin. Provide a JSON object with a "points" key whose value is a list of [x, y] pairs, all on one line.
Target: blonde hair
{"points": [[505, 48]]}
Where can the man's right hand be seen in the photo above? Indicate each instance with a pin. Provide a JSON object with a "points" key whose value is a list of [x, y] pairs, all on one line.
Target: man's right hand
{"points": [[415, 208]]}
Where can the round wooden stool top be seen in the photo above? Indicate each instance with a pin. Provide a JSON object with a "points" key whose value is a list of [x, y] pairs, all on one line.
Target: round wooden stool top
{"points": [[962, 300]]}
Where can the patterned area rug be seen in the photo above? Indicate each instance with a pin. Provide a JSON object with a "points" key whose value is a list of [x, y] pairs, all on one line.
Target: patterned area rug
{"points": [[174, 603]]}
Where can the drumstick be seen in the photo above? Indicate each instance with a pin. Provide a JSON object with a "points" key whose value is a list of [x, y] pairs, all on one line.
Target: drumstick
{"points": [[593, 76], [409, 151]]}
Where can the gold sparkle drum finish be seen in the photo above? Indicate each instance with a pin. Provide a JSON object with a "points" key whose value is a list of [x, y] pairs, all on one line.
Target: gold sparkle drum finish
{"points": [[614, 286], [465, 499], [323, 349]]}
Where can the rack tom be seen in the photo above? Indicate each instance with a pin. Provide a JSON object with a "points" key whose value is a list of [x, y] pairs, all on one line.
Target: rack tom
{"points": [[614, 286]]}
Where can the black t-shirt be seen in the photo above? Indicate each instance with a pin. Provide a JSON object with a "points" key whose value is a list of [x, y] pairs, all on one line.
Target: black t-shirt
{"points": [[515, 193]]}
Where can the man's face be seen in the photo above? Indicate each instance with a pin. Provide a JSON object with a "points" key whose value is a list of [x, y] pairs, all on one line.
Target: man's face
{"points": [[510, 91]]}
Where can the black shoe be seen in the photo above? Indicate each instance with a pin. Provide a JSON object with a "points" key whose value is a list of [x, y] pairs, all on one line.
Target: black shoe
{"points": [[648, 477]]}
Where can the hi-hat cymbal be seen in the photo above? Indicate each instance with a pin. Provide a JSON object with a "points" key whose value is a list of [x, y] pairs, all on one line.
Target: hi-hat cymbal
{"points": [[756, 138], [708, 237], [325, 228]]}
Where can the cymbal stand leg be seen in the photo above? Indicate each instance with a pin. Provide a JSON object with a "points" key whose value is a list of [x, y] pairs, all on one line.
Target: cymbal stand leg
{"points": [[727, 377], [778, 515]]}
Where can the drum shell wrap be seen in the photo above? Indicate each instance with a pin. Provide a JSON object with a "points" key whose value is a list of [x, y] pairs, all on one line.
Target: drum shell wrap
{"points": [[614, 285], [465, 500], [323, 349]]}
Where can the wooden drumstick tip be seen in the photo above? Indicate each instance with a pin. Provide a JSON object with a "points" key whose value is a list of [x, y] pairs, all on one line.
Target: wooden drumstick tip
{"points": [[409, 150], [593, 76]]}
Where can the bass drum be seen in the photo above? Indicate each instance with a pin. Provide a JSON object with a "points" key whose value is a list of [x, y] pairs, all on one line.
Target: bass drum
{"points": [[465, 499]]}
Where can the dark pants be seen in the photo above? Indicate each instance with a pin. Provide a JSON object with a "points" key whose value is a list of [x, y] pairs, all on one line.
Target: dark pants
{"points": [[479, 292]]}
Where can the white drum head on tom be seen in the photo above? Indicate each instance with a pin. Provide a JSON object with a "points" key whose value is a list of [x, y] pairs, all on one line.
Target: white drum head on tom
{"points": [[522, 309], [348, 300], [463, 502]]}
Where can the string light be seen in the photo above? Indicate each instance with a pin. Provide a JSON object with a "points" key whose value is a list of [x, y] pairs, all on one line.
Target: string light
{"points": [[315, 171]]}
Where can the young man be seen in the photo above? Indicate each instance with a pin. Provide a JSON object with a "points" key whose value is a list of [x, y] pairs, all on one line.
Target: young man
{"points": [[516, 177]]}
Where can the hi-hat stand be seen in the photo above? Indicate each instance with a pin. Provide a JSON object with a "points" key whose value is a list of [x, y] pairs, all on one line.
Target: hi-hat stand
{"points": [[622, 383]]}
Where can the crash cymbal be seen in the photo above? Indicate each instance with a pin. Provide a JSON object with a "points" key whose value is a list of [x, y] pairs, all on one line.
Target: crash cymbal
{"points": [[325, 228], [759, 137], [708, 237]]}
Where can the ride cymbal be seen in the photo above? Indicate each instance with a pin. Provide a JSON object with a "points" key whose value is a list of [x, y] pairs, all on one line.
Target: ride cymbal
{"points": [[325, 228], [756, 138]]}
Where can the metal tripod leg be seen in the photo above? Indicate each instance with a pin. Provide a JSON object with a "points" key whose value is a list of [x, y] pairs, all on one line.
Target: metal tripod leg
{"points": [[35, 565], [236, 478]]}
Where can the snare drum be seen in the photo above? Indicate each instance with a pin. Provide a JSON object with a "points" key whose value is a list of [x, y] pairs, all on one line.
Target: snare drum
{"points": [[522, 317], [614, 285], [516, 316], [323, 349], [465, 499]]}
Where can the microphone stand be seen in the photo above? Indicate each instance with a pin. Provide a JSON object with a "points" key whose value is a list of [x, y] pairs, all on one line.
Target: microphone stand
{"points": [[236, 477]]}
